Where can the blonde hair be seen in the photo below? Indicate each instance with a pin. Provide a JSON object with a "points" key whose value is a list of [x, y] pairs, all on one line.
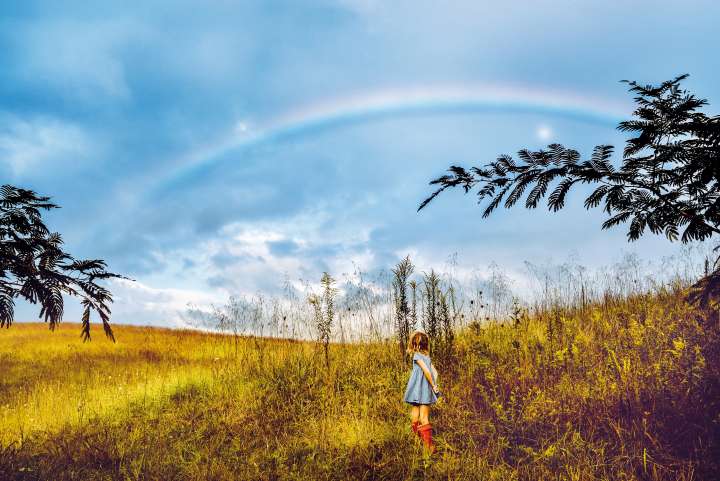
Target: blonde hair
{"points": [[418, 342]]}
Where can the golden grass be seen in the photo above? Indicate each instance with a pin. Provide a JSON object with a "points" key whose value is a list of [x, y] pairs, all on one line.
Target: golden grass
{"points": [[627, 389], [52, 380]]}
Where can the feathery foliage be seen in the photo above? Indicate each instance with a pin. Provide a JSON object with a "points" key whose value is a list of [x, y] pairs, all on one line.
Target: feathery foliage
{"points": [[34, 267], [667, 182]]}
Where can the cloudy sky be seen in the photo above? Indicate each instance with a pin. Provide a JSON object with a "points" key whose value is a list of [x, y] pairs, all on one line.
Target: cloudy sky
{"points": [[217, 147]]}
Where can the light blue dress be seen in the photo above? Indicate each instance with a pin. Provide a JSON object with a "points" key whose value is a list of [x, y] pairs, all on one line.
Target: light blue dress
{"points": [[418, 389]]}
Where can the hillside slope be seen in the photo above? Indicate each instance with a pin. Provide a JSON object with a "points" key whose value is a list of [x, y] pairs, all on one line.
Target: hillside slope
{"points": [[627, 389]]}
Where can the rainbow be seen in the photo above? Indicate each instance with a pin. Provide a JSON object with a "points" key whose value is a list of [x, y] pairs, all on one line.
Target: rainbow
{"points": [[392, 103]]}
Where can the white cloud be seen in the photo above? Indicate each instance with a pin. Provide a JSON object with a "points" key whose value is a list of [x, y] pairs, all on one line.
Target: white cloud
{"points": [[138, 303], [245, 258], [27, 144]]}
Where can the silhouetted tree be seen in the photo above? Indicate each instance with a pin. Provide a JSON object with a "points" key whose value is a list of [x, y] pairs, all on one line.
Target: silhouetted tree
{"points": [[413, 306], [401, 274], [446, 325], [668, 181], [431, 292], [34, 267]]}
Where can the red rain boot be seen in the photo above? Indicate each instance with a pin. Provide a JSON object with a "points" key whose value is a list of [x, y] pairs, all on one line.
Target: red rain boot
{"points": [[414, 426], [425, 432]]}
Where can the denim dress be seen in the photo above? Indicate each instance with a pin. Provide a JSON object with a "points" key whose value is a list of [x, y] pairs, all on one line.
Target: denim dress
{"points": [[419, 390]]}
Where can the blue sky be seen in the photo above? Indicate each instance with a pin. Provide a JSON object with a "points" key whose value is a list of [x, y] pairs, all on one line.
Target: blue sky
{"points": [[210, 148]]}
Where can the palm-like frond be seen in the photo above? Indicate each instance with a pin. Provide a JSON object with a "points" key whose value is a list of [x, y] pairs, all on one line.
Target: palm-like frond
{"points": [[667, 182], [34, 267]]}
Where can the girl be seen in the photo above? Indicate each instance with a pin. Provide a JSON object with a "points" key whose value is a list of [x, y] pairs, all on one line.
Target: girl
{"points": [[422, 389]]}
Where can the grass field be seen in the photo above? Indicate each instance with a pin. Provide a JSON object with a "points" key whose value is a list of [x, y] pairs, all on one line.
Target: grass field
{"points": [[624, 389]]}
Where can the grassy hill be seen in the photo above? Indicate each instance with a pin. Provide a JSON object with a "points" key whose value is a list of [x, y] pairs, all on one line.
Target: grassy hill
{"points": [[624, 389]]}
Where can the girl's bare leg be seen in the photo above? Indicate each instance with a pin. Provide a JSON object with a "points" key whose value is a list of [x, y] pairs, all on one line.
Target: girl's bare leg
{"points": [[424, 414], [425, 430], [414, 414]]}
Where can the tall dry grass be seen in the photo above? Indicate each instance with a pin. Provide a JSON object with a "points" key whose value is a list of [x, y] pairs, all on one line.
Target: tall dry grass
{"points": [[616, 388]]}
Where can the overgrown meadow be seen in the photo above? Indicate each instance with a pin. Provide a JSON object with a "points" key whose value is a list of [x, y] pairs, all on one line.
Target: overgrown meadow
{"points": [[608, 377]]}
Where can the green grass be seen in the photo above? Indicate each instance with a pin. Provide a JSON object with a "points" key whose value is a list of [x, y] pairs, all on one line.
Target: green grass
{"points": [[627, 389]]}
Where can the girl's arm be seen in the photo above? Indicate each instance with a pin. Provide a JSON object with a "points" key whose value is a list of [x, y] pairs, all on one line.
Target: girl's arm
{"points": [[428, 376]]}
